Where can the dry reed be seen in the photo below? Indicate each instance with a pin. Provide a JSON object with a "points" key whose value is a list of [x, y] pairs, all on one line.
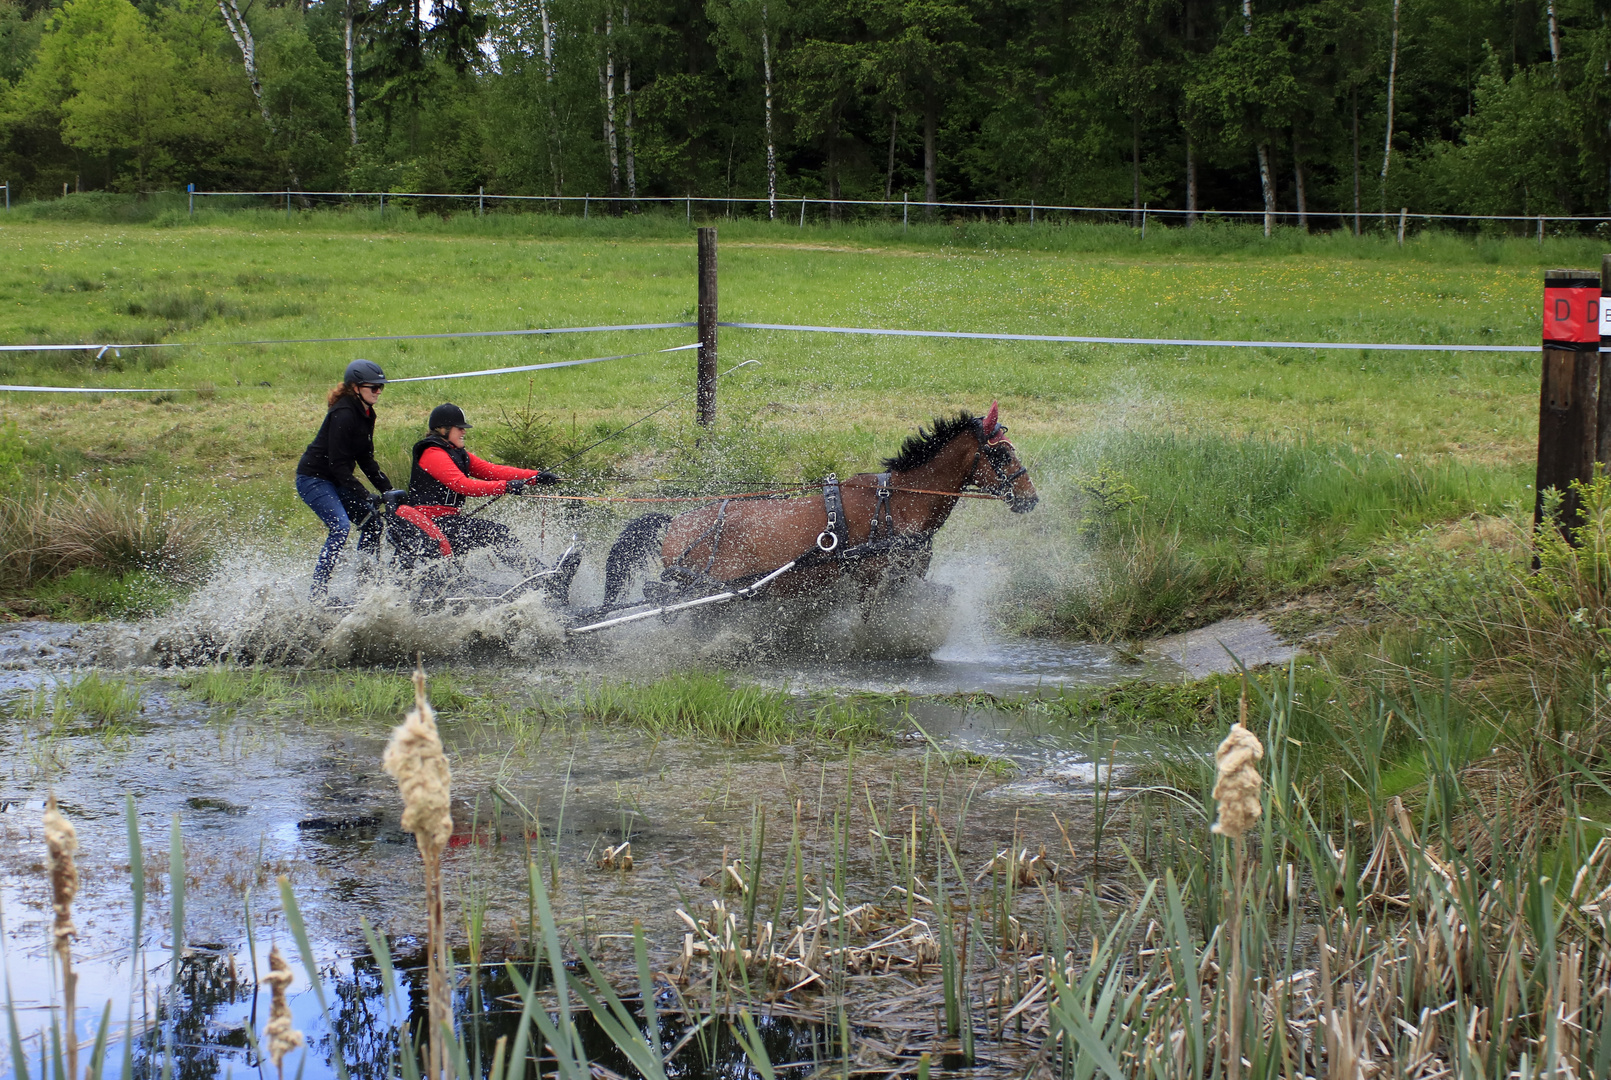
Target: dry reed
{"points": [[414, 758], [61, 840], [281, 1037]]}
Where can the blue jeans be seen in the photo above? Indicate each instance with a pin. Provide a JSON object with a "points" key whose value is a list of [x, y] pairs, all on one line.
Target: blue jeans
{"points": [[337, 507]]}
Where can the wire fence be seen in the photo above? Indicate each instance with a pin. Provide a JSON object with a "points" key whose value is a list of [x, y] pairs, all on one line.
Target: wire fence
{"points": [[805, 209], [967, 335]]}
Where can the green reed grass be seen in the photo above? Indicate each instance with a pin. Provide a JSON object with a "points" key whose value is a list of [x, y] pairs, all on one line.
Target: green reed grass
{"points": [[720, 706], [105, 704]]}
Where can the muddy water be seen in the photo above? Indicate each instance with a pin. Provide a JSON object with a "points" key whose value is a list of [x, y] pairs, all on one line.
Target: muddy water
{"points": [[258, 794]]}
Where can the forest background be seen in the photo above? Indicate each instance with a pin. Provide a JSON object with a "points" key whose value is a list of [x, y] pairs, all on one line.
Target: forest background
{"points": [[1455, 106]]}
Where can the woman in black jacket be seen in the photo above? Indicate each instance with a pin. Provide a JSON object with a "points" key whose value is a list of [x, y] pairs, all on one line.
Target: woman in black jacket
{"points": [[324, 476]]}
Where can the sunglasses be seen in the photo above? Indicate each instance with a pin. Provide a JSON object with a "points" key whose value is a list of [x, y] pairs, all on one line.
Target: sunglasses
{"points": [[372, 386]]}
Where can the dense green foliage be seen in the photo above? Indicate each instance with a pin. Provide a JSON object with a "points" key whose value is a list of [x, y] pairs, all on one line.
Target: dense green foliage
{"points": [[1486, 106]]}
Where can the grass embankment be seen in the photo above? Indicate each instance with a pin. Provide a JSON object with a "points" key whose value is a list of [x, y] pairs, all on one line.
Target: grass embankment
{"points": [[1091, 420]]}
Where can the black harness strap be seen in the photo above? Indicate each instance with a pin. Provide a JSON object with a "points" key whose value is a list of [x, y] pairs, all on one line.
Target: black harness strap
{"points": [[881, 515], [835, 535], [714, 533]]}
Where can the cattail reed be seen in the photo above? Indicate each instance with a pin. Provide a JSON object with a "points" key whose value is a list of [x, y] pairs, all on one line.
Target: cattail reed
{"points": [[1236, 790], [414, 758], [281, 1037], [61, 840]]}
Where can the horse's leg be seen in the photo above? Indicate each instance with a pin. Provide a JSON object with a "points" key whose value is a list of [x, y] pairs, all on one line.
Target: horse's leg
{"points": [[637, 541]]}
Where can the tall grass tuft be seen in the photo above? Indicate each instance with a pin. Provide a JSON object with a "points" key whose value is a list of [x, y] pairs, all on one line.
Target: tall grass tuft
{"points": [[48, 534]]}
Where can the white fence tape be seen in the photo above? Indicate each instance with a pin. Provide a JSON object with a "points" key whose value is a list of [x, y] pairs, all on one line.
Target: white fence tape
{"points": [[539, 367], [96, 389], [338, 340], [787, 327], [1081, 340]]}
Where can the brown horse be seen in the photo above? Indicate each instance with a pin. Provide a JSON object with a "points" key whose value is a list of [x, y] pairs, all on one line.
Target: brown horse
{"points": [[870, 526]]}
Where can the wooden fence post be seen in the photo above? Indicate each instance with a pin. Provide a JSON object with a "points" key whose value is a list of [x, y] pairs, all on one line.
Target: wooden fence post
{"points": [[1602, 439], [1568, 408], [705, 392]]}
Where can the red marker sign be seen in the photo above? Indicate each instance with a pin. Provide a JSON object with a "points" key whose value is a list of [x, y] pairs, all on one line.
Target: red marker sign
{"points": [[1572, 313]]}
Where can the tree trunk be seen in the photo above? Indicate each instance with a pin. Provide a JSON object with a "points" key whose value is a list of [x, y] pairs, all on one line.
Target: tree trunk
{"points": [[1297, 174], [833, 167], [607, 86], [352, 90], [1135, 168], [1554, 42], [1392, 79], [1267, 181], [930, 165], [554, 144], [889, 173], [1191, 183], [248, 47], [626, 92], [1356, 160], [771, 148]]}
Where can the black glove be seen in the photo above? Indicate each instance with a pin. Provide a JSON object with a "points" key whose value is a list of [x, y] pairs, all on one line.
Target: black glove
{"points": [[382, 483], [514, 487], [546, 477]]}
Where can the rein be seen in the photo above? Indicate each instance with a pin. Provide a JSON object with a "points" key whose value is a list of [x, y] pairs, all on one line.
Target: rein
{"points": [[744, 495]]}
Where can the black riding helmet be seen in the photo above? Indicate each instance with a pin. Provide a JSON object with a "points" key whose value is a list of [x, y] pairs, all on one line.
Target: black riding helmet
{"points": [[448, 415], [364, 373]]}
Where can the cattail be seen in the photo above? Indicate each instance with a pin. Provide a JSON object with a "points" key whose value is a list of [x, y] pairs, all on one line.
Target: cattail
{"points": [[1236, 788], [414, 758], [62, 843], [281, 1037]]}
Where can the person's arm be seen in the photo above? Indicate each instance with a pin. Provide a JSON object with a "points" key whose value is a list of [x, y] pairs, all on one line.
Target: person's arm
{"points": [[376, 474], [435, 461], [487, 470]]}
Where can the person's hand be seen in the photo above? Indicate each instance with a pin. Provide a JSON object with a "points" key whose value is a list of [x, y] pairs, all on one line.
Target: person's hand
{"points": [[514, 487], [546, 477], [385, 484]]}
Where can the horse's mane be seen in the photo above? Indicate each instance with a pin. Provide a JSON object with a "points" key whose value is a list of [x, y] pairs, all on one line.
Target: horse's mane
{"points": [[925, 446]]}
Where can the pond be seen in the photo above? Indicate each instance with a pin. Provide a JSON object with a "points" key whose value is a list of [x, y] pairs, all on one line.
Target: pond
{"points": [[274, 784]]}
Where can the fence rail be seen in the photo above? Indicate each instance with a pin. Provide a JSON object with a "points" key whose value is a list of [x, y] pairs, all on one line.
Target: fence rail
{"points": [[906, 205]]}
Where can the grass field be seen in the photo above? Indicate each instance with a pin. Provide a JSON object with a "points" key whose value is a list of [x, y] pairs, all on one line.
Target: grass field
{"points": [[815, 402]]}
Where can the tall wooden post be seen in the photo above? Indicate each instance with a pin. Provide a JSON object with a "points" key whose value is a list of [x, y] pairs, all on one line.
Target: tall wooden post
{"points": [[1602, 440], [705, 393], [1569, 407]]}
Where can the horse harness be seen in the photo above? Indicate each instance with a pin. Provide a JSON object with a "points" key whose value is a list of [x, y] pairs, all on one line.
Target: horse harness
{"points": [[833, 542]]}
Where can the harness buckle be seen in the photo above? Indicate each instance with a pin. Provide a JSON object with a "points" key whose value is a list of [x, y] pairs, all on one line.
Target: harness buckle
{"points": [[826, 540]]}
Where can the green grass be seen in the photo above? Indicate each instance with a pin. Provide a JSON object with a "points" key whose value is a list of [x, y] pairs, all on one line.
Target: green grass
{"points": [[378, 696], [104, 703], [720, 707], [1160, 531]]}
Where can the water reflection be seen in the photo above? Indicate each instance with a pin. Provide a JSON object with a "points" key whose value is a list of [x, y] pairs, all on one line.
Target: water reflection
{"points": [[204, 1024]]}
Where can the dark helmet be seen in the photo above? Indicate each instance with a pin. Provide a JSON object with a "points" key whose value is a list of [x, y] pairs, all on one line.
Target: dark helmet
{"points": [[364, 373], [448, 415]]}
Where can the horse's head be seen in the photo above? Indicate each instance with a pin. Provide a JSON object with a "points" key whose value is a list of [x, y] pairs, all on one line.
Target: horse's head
{"points": [[997, 470]]}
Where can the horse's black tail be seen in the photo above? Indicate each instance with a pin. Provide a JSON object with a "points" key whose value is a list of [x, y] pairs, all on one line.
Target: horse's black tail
{"points": [[636, 543]]}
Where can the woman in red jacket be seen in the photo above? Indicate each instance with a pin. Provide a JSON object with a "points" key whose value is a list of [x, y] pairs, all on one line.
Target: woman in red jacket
{"points": [[445, 473]]}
